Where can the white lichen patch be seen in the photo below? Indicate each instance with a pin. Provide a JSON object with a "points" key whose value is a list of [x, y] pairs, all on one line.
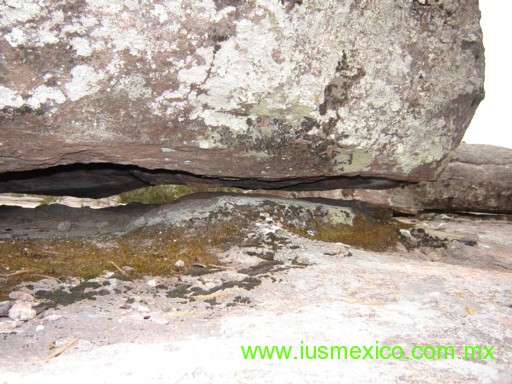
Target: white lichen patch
{"points": [[82, 46], [252, 71], [428, 150], [133, 41], [160, 12], [135, 87], [213, 118], [196, 74], [44, 31], [351, 161], [85, 82], [115, 65], [16, 37], [340, 215], [271, 66], [10, 98], [106, 6], [43, 94], [385, 86], [380, 94], [203, 144], [18, 11]]}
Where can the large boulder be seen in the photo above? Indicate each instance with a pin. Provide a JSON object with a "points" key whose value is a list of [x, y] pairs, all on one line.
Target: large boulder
{"points": [[261, 90]]}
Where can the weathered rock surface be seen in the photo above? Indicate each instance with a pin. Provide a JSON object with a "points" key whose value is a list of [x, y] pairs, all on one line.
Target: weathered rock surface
{"points": [[261, 89], [478, 179], [45, 221], [190, 328]]}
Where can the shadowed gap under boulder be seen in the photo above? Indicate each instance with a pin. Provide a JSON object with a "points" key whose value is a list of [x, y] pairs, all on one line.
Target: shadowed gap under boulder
{"points": [[103, 180]]}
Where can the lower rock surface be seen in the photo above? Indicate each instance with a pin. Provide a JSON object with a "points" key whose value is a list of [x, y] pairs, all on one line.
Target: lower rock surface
{"points": [[446, 281]]}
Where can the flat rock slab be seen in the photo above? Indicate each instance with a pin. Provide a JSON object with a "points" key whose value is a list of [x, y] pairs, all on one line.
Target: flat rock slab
{"points": [[49, 221], [477, 179], [261, 89], [190, 328]]}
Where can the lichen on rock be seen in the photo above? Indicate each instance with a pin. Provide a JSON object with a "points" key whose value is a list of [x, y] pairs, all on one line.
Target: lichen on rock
{"points": [[376, 89]]}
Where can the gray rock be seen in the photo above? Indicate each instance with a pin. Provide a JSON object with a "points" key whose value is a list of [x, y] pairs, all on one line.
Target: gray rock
{"points": [[122, 219], [261, 89], [22, 296], [8, 326], [4, 308]]}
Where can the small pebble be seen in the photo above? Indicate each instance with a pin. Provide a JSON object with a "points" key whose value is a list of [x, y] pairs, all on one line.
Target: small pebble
{"points": [[160, 321], [64, 226], [179, 264], [152, 283], [407, 234], [22, 311], [141, 308], [40, 328]]}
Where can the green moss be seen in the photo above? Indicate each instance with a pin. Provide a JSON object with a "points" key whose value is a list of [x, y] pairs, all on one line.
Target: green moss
{"points": [[368, 234], [165, 194], [179, 291], [159, 194], [146, 251], [72, 295], [153, 251], [47, 200]]}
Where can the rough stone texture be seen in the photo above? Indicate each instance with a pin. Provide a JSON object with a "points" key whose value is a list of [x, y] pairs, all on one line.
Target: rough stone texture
{"points": [[261, 89], [478, 179], [44, 221], [137, 333]]}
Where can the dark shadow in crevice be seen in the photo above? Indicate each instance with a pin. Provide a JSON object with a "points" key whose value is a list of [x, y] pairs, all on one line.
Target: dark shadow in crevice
{"points": [[105, 179]]}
